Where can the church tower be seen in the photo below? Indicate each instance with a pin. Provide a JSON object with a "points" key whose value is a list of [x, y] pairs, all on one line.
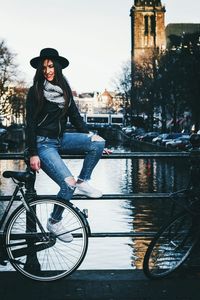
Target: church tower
{"points": [[147, 28]]}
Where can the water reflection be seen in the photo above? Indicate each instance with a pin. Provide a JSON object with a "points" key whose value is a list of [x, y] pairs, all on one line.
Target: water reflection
{"points": [[161, 175], [137, 215]]}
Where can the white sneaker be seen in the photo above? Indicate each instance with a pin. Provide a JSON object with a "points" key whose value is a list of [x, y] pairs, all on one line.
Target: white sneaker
{"points": [[58, 229], [85, 189]]}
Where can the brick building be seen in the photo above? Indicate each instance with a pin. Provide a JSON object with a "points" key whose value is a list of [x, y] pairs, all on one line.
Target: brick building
{"points": [[147, 28]]}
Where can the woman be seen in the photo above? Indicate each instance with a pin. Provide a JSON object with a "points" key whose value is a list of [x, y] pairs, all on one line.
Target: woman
{"points": [[49, 104]]}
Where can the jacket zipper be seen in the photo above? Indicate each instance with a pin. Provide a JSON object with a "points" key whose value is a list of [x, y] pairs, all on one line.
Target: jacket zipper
{"points": [[59, 128], [42, 120], [59, 125]]}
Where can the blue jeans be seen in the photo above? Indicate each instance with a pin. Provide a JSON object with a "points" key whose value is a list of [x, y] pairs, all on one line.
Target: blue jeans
{"points": [[52, 164]]}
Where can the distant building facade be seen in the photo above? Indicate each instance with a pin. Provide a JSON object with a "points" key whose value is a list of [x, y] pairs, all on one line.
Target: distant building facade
{"points": [[147, 28], [98, 103], [109, 102], [86, 102], [148, 31]]}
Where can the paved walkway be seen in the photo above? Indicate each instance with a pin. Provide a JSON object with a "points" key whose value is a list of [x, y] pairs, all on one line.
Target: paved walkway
{"points": [[103, 285]]}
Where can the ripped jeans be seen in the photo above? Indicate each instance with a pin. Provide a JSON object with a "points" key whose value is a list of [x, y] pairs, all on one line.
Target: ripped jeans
{"points": [[53, 165]]}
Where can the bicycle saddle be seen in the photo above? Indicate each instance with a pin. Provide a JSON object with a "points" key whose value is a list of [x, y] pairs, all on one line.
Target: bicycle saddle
{"points": [[20, 176]]}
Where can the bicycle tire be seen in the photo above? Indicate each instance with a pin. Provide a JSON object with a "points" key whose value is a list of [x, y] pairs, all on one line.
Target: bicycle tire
{"points": [[25, 243], [171, 246]]}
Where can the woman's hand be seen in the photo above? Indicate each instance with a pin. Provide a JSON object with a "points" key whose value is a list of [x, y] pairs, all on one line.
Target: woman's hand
{"points": [[107, 151], [35, 163]]}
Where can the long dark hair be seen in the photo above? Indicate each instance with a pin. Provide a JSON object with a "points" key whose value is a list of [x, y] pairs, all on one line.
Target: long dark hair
{"points": [[59, 80]]}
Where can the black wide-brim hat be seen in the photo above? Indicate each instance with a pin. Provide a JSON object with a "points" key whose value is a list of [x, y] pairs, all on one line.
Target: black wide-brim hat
{"points": [[49, 53]]}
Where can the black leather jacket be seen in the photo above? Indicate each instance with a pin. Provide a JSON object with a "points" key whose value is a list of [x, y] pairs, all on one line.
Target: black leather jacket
{"points": [[50, 122]]}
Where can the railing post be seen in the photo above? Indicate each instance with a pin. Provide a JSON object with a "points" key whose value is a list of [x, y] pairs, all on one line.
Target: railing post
{"points": [[30, 185], [32, 262]]}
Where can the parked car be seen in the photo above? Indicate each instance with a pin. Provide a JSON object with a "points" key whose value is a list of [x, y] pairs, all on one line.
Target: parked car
{"points": [[170, 137], [128, 130], [181, 143], [137, 133], [158, 139], [148, 137]]}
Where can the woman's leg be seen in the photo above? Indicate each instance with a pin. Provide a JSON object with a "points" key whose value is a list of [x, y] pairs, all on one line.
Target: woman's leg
{"points": [[53, 165], [82, 143], [92, 146]]}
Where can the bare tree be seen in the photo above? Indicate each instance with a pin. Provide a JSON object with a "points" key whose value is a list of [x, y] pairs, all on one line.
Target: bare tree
{"points": [[122, 84], [12, 89], [7, 67]]}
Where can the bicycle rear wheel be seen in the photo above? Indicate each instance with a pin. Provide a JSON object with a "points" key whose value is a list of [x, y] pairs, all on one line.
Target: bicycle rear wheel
{"points": [[39, 254], [171, 246]]}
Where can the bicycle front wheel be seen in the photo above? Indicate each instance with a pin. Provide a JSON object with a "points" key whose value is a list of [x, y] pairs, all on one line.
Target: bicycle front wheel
{"points": [[38, 254], [171, 246]]}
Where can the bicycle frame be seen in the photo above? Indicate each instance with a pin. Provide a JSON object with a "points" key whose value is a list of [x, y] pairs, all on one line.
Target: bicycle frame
{"points": [[17, 189], [8, 207], [192, 191], [24, 200], [25, 232], [182, 231], [44, 239]]}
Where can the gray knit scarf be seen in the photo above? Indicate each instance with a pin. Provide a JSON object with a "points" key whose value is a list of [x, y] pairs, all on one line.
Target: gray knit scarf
{"points": [[54, 93]]}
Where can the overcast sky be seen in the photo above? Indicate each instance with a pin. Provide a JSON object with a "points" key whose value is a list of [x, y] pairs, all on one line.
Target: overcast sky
{"points": [[93, 34]]}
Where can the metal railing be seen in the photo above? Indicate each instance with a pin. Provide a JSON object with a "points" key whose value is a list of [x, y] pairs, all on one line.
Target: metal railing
{"points": [[125, 155]]}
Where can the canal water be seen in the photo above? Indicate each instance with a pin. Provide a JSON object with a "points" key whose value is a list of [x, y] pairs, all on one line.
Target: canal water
{"points": [[117, 176]]}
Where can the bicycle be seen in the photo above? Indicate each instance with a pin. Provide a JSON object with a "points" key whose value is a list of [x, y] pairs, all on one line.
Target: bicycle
{"points": [[25, 241], [176, 239]]}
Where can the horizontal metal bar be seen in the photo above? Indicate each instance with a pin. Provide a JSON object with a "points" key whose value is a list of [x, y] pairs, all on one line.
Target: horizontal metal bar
{"points": [[120, 196], [141, 234], [150, 196], [124, 155]]}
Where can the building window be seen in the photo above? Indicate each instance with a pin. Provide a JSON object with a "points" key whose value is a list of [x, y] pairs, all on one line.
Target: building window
{"points": [[153, 25], [146, 27]]}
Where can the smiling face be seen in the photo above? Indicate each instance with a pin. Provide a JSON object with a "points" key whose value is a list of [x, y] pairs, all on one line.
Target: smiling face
{"points": [[48, 69]]}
